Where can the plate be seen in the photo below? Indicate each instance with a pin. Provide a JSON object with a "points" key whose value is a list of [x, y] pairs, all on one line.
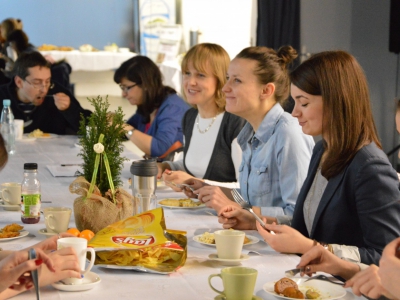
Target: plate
{"points": [[179, 207], [44, 232], [46, 136], [222, 297], [229, 262], [253, 240], [26, 138], [9, 206], [327, 290], [21, 235], [90, 280]]}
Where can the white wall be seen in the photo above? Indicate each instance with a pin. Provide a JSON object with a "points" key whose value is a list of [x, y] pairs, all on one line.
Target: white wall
{"points": [[224, 22]]}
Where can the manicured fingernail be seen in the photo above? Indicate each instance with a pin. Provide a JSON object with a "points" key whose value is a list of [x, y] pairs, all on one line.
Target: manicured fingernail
{"points": [[38, 262], [11, 287], [29, 286]]}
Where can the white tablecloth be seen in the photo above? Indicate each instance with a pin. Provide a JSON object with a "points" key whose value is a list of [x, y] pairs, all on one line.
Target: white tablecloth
{"points": [[189, 282], [91, 61]]}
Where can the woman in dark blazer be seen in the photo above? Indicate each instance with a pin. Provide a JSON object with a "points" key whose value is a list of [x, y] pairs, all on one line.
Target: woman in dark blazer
{"points": [[349, 201]]}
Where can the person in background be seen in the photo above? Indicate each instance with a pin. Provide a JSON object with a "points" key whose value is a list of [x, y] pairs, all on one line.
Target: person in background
{"points": [[156, 127], [370, 281], [349, 201], [211, 150], [41, 103], [276, 153]]}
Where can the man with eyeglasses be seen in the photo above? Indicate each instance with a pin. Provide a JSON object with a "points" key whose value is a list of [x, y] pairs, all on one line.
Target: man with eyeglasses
{"points": [[41, 103]]}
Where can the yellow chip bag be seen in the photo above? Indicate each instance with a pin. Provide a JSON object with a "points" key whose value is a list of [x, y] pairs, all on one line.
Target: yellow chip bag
{"points": [[141, 242]]}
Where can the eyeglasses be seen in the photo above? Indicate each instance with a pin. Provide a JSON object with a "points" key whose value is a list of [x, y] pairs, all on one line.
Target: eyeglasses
{"points": [[38, 86], [126, 89]]}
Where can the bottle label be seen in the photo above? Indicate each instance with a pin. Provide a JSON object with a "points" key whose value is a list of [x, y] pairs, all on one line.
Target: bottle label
{"points": [[30, 205]]}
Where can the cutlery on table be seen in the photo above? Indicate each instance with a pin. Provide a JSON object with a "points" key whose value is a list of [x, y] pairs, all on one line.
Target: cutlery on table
{"points": [[34, 274], [293, 272], [325, 278], [247, 206]]}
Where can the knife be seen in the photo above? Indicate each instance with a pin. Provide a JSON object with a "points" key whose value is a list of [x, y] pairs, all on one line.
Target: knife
{"points": [[34, 274]]}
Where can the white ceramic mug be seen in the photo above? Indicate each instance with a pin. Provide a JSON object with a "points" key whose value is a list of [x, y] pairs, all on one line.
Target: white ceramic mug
{"points": [[229, 243], [11, 193], [57, 218], [19, 129], [80, 246]]}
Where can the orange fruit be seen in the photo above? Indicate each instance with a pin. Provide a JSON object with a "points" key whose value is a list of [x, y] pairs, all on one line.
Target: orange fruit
{"points": [[87, 234], [74, 231]]}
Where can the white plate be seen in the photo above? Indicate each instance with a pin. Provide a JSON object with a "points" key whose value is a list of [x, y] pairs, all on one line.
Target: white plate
{"points": [[179, 207], [47, 136], [253, 240], [222, 297], [21, 235], [44, 232], [89, 281], [229, 262], [26, 138], [9, 206], [325, 289]]}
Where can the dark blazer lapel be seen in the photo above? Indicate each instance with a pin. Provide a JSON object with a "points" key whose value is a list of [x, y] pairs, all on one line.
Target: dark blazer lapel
{"points": [[330, 189]]}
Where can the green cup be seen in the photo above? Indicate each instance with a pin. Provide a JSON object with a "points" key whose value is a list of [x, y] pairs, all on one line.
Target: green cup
{"points": [[239, 282]]}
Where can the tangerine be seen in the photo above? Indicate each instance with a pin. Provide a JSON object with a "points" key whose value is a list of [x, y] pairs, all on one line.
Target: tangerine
{"points": [[87, 234], [74, 231]]}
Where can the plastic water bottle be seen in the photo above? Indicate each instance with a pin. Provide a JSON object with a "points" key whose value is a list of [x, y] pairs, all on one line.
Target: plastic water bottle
{"points": [[7, 129], [30, 195]]}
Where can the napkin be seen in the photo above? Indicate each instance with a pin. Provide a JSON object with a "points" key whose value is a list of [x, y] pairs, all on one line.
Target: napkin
{"points": [[65, 170]]}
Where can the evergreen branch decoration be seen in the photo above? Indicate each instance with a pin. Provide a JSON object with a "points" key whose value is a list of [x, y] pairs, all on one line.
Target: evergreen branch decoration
{"points": [[101, 121]]}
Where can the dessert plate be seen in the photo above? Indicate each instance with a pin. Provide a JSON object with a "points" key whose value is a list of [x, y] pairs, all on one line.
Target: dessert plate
{"points": [[22, 234], [253, 240], [229, 262], [90, 280], [327, 290]]}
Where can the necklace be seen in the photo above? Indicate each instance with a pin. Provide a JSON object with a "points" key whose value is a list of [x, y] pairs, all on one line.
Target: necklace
{"points": [[208, 127]]}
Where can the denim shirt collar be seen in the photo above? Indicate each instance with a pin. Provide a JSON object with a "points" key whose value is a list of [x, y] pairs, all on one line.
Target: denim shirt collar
{"points": [[266, 129]]}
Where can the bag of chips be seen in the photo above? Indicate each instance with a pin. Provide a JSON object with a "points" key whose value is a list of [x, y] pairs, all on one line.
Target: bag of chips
{"points": [[142, 243]]}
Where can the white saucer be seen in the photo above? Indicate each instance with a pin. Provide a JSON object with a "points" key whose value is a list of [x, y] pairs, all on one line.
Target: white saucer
{"points": [[229, 262], [44, 232], [9, 206], [89, 281], [222, 297]]}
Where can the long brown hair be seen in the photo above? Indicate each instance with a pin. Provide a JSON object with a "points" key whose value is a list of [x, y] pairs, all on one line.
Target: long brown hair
{"points": [[272, 66], [3, 153], [348, 123], [213, 55]]}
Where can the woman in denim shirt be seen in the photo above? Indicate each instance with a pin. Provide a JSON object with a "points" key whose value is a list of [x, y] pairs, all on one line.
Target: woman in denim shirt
{"points": [[276, 153]]}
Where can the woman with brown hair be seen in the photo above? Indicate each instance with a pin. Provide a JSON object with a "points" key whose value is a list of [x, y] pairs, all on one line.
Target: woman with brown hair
{"points": [[349, 201]]}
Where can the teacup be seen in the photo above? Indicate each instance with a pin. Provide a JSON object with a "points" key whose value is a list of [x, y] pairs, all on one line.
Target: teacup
{"points": [[238, 282], [11, 193], [57, 218], [80, 246], [229, 243]]}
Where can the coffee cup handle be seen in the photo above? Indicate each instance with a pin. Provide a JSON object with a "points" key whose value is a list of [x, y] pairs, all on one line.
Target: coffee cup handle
{"points": [[3, 195], [92, 258], [49, 217], [209, 283]]}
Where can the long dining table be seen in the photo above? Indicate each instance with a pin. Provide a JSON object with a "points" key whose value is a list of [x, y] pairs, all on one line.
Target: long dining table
{"points": [[188, 282]]}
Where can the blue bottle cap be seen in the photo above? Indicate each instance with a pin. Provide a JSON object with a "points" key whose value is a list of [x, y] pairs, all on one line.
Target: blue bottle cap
{"points": [[6, 102]]}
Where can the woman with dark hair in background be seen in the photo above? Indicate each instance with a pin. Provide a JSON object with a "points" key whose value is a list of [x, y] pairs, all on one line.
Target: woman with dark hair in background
{"points": [[156, 127]]}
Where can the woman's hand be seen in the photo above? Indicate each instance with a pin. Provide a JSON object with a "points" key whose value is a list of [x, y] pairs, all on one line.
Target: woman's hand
{"points": [[233, 216], [177, 177], [214, 197], [65, 264], [389, 270], [368, 283], [285, 239], [196, 184], [15, 267], [50, 243], [318, 259]]}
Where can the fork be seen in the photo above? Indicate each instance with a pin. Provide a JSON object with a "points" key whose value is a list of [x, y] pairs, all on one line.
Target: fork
{"points": [[247, 206], [324, 278], [179, 186]]}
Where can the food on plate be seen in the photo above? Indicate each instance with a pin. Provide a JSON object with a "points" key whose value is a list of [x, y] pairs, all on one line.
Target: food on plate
{"points": [[208, 238], [38, 133], [11, 230], [312, 294], [180, 202], [49, 47], [141, 240], [288, 288]]}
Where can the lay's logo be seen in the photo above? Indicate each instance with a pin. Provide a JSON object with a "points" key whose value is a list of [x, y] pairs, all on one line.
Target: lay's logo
{"points": [[136, 241]]}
